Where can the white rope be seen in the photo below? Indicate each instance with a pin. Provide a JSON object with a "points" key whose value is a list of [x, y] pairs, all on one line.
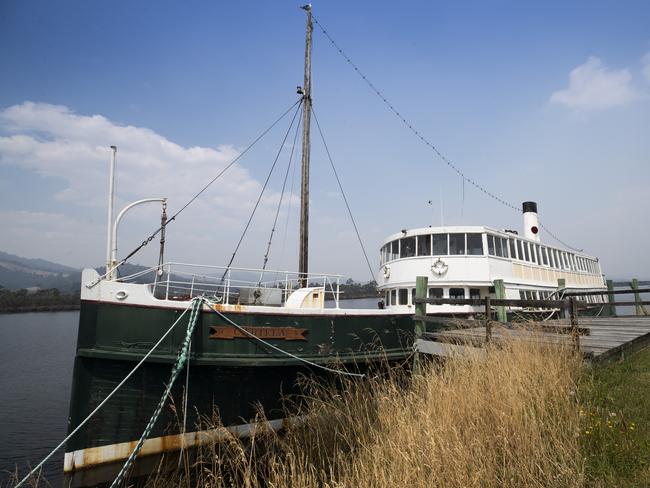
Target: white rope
{"points": [[91, 414], [282, 351]]}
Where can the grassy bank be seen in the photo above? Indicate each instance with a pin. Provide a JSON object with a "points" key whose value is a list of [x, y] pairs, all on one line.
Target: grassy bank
{"points": [[615, 422], [511, 419]]}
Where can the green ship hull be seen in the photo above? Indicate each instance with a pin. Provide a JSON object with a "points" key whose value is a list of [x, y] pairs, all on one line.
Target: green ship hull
{"points": [[230, 374]]}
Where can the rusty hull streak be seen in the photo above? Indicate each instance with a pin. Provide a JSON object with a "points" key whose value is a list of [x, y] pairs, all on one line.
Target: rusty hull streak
{"points": [[231, 307], [94, 456]]}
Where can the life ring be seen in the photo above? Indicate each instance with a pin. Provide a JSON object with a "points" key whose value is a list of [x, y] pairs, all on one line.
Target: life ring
{"points": [[439, 267]]}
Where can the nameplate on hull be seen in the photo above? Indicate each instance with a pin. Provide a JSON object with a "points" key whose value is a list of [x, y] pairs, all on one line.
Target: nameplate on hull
{"points": [[286, 333]]}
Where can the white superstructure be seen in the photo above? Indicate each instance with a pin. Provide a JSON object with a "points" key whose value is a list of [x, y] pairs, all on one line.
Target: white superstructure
{"points": [[465, 261]]}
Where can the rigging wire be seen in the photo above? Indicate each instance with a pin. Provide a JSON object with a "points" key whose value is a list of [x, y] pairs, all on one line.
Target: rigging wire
{"points": [[286, 224], [228, 166], [417, 133], [284, 185], [259, 198], [345, 199]]}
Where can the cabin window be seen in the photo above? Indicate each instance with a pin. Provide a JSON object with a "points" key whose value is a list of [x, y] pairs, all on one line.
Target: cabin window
{"points": [[407, 247], [393, 297], [424, 245], [520, 251], [403, 296], [387, 298], [545, 256], [439, 244], [456, 292], [522, 295], [490, 239], [475, 244], [513, 252], [413, 296], [456, 244], [393, 253], [558, 262], [533, 254], [550, 258], [435, 292], [504, 247], [538, 251], [475, 293], [526, 251], [499, 246]]}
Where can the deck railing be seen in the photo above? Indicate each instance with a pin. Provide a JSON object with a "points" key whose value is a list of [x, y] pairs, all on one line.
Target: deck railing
{"points": [[184, 281]]}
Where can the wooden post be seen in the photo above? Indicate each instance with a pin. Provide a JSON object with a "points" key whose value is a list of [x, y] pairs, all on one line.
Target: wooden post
{"points": [[421, 286], [639, 309], [610, 298], [488, 318], [561, 285], [575, 332], [500, 292]]}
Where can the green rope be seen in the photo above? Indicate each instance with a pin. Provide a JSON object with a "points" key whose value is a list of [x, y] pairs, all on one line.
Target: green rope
{"points": [[180, 362]]}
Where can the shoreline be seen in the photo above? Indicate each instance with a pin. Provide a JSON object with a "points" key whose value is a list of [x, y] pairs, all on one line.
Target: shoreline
{"points": [[40, 308]]}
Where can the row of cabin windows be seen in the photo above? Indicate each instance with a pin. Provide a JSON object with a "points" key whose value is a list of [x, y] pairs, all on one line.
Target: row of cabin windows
{"points": [[538, 254], [401, 296], [549, 295], [472, 244], [434, 245]]}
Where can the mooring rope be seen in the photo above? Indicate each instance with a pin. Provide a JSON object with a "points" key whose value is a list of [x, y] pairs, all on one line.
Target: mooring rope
{"points": [[178, 366], [282, 351], [108, 397]]}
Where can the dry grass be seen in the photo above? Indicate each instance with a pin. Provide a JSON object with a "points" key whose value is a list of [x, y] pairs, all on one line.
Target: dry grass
{"points": [[508, 419]]}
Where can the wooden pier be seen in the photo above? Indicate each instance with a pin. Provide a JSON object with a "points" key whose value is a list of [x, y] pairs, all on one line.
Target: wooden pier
{"points": [[597, 338], [600, 338]]}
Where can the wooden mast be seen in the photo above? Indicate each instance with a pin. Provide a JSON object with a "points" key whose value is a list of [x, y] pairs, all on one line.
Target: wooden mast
{"points": [[303, 260]]}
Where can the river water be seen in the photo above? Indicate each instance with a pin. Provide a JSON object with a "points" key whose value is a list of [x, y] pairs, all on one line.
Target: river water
{"points": [[36, 359]]}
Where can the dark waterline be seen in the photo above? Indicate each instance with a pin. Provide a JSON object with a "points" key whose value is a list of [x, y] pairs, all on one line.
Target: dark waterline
{"points": [[36, 359]]}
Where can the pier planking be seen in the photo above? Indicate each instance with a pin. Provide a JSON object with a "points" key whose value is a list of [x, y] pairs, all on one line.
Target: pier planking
{"points": [[601, 338]]}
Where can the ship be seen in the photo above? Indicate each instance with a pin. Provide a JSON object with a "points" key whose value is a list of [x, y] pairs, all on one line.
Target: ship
{"points": [[254, 332]]}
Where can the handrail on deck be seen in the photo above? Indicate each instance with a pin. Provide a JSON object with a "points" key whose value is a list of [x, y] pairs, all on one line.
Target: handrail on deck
{"points": [[196, 279]]}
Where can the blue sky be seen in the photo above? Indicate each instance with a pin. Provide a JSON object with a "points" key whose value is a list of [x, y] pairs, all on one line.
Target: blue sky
{"points": [[547, 102]]}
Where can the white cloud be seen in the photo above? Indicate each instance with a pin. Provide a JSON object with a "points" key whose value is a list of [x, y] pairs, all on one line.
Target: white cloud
{"points": [[593, 86], [54, 142], [646, 66], [52, 236]]}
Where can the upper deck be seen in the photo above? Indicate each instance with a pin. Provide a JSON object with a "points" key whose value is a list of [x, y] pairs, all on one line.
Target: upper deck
{"points": [[478, 254]]}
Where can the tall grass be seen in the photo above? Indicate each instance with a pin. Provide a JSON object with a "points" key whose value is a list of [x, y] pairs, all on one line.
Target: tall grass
{"points": [[507, 418]]}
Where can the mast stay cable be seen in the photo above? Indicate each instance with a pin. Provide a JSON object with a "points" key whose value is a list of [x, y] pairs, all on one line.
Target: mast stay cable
{"points": [[266, 182], [191, 200], [417, 133], [277, 212], [345, 199]]}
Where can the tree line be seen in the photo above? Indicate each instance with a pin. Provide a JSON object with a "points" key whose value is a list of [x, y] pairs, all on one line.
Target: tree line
{"points": [[38, 300]]}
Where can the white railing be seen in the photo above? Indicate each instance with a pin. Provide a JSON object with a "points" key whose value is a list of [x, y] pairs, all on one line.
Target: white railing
{"points": [[184, 281]]}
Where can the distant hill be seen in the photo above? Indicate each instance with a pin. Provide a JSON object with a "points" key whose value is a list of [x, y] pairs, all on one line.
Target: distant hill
{"points": [[17, 272]]}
